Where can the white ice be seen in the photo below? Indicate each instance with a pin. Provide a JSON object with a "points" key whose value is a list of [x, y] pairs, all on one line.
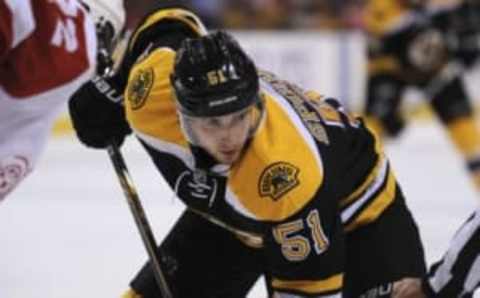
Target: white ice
{"points": [[67, 231]]}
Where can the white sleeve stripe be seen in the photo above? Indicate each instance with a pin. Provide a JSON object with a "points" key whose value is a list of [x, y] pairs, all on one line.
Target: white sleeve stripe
{"points": [[443, 274], [23, 20], [379, 181], [473, 277]]}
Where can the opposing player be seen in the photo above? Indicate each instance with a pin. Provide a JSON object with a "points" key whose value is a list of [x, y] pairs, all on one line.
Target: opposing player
{"points": [[411, 45], [278, 181], [47, 50]]}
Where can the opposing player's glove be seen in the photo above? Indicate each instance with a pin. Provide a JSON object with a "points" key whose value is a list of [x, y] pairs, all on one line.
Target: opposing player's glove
{"points": [[98, 115]]}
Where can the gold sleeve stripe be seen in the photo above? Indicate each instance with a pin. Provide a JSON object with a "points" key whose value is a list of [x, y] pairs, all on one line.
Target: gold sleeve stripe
{"points": [[464, 132], [374, 125], [373, 206], [373, 188], [310, 287], [178, 14], [384, 64], [366, 184], [373, 176]]}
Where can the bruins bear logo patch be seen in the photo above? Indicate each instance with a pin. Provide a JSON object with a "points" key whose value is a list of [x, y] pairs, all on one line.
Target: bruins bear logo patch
{"points": [[140, 88], [278, 179]]}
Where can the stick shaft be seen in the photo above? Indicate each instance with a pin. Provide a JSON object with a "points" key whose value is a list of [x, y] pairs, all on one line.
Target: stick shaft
{"points": [[140, 217]]}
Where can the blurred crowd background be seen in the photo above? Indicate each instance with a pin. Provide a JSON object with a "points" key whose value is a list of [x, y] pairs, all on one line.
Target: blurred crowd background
{"points": [[263, 14]]}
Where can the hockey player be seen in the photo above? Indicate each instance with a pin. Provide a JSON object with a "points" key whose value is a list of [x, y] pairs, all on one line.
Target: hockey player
{"points": [[47, 50], [278, 181], [413, 46], [230, 234]]}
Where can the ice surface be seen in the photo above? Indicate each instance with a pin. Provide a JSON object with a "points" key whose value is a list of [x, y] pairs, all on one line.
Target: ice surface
{"points": [[68, 232]]}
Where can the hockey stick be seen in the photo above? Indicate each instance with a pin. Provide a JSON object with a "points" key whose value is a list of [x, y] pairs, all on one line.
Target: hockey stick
{"points": [[139, 216]]}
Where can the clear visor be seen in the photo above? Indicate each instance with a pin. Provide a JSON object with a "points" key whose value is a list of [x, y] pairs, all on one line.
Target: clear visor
{"points": [[249, 117]]}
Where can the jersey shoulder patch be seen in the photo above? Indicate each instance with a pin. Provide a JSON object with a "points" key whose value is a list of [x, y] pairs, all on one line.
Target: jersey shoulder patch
{"points": [[149, 94], [139, 88]]}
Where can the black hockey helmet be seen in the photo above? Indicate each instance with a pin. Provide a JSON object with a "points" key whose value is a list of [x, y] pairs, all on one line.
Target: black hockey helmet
{"points": [[213, 76]]}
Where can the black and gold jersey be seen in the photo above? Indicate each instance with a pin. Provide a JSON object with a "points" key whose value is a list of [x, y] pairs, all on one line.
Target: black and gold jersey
{"points": [[390, 26], [384, 17], [309, 174], [415, 43]]}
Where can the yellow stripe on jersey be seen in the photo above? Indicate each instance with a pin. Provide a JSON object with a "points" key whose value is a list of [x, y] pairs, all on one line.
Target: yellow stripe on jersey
{"points": [[313, 287], [375, 126], [178, 14], [366, 184], [375, 172], [464, 133], [384, 64], [373, 196], [383, 16], [376, 205], [150, 107], [279, 173]]}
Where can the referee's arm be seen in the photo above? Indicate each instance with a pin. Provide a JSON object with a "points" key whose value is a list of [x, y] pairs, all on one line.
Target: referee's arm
{"points": [[457, 274]]}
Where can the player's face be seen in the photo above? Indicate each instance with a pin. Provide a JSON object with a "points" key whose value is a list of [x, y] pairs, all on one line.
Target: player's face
{"points": [[224, 137]]}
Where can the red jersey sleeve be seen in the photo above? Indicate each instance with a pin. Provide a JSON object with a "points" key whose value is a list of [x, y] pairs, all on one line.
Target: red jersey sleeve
{"points": [[43, 45], [6, 29]]}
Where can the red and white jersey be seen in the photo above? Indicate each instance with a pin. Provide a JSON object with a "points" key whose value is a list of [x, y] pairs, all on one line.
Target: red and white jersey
{"points": [[44, 44], [48, 50]]}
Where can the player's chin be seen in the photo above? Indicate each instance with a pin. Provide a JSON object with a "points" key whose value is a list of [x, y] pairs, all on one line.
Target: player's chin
{"points": [[228, 157]]}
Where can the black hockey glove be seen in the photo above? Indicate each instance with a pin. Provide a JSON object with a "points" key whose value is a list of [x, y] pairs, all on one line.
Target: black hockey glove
{"points": [[98, 115]]}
